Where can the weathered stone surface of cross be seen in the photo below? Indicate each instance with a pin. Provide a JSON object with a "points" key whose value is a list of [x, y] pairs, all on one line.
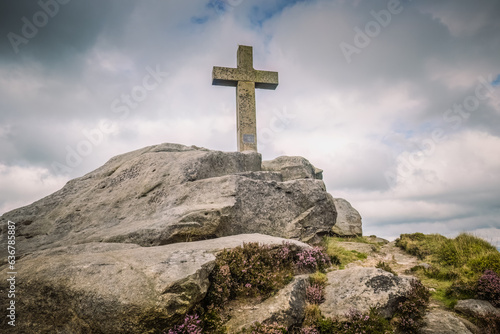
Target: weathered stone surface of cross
{"points": [[245, 78]]}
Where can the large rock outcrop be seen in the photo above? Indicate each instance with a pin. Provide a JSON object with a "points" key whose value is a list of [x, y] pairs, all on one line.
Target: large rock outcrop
{"points": [[173, 193], [122, 288], [129, 247]]}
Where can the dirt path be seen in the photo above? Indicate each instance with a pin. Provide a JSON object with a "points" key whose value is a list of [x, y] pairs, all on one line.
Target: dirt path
{"points": [[399, 260], [389, 253]]}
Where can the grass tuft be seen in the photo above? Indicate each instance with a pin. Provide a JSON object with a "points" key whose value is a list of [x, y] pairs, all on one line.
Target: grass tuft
{"points": [[385, 266], [341, 255]]}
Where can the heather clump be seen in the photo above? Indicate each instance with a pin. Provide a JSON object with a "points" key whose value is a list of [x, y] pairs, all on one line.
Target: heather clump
{"points": [[249, 271], [411, 311], [315, 294], [191, 325], [312, 259], [488, 287]]}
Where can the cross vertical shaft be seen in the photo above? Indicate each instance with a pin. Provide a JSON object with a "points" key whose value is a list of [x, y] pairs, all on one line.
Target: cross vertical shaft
{"points": [[246, 117], [245, 78]]}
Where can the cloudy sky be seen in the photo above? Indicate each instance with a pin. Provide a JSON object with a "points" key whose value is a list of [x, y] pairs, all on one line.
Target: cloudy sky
{"points": [[398, 101]]}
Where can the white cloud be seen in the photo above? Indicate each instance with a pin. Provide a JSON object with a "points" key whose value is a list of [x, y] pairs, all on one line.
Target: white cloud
{"points": [[23, 185], [464, 18], [462, 163]]}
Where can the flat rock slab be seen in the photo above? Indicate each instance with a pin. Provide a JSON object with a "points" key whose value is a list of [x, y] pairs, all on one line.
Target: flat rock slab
{"points": [[443, 322], [116, 288], [286, 308], [362, 288], [172, 193]]}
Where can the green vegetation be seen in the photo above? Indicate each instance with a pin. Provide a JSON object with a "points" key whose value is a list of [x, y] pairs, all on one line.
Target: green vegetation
{"points": [[318, 278], [460, 268], [420, 245], [312, 315], [439, 288], [458, 262], [341, 255]]}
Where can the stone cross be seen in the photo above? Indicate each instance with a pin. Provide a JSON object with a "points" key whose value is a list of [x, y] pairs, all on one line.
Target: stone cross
{"points": [[245, 79]]}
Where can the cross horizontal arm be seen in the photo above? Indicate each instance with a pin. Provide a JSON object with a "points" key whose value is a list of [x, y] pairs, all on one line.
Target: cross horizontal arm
{"points": [[226, 76], [266, 79]]}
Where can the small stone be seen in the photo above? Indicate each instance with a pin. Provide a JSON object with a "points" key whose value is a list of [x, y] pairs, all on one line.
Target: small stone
{"points": [[426, 266]]}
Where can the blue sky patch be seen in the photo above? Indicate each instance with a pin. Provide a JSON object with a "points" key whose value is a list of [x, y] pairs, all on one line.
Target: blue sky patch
{"points": [[219, 6], [199, 19], [260, 14], [496, 82]]}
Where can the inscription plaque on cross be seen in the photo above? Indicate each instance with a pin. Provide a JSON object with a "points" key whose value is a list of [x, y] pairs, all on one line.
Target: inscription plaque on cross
{"points": [[245, 78]]}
